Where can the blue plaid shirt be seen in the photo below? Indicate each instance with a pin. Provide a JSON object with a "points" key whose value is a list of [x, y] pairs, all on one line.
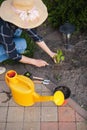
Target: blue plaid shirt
{"points": [[7, 31]]}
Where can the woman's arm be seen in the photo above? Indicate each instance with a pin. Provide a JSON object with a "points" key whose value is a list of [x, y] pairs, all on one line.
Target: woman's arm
{"points": [[43, 46], [35, 62], [40, 42]]}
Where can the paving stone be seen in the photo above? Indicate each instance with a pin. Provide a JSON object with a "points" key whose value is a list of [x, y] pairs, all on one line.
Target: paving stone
{"points": [[67, 126], [82, 112], [32, 114], [12, 103], [49, 126], [37, 104], [82, 125], [2, 77], [66, 114], [79, 118], [14, 126], [3, 114], [4, 87], [38, 87], [15, 114], [45, 89], [32, 126], [49, 114], [3, 99], [49, 103], [2, 126]]}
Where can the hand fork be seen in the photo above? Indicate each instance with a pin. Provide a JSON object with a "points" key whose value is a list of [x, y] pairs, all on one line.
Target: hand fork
{"points": [[38, 80]]}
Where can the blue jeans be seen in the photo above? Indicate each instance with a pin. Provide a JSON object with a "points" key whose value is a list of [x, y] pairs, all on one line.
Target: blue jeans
{"points": [[20, 44]]}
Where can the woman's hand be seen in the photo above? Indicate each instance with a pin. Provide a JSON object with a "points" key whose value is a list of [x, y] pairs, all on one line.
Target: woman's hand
{"points": [[40, 63], [35, 62]]}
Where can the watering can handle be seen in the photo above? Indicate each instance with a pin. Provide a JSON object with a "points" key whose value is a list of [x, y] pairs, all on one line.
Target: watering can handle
{"points": [[27, 81], [37, 81]]}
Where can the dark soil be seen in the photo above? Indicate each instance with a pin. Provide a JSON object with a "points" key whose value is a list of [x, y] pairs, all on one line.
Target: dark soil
{"points": [[72, 72]]}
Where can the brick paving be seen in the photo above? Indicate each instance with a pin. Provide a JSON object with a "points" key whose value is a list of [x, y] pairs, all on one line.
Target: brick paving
{"points": [[40, 116]]}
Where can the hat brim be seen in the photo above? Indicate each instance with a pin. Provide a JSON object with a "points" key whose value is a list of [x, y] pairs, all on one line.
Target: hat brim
{"points": [[8, 14]]}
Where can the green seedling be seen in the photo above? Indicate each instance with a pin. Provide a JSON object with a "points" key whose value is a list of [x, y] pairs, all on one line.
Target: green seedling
{"points": [[58, 77], [27, 74], [59, 57]]}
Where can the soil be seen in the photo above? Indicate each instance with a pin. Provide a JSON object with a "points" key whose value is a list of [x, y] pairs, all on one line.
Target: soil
{"points": [[72, 72]]}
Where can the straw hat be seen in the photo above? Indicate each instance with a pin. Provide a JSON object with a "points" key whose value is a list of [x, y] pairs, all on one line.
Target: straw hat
{"points": [[24, 13]]}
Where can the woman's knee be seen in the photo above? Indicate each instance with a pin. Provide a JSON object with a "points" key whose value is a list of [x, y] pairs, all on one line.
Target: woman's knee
{"points": [[2, 50], [20, 44], [3, 55]]}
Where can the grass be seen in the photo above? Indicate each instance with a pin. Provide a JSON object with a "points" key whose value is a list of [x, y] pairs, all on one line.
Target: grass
{"points": [[30, 45]]}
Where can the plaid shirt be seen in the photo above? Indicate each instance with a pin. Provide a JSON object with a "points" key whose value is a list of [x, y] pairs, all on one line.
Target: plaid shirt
{"points": [[7, 31]]}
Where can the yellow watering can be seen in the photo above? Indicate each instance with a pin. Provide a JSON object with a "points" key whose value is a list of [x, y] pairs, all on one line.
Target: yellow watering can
{"points": [[23, 91]]}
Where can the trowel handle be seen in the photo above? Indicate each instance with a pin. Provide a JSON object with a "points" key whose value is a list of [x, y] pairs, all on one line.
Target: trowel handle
{"points": [[29, 75], [37, 81], [37, 78]]}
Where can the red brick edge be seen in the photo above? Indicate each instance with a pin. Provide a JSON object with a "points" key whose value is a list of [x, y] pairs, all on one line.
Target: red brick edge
{"points": [[77, 108]]}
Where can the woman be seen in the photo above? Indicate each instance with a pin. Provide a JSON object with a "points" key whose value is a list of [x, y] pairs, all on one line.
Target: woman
{"points": [[17, 16]]}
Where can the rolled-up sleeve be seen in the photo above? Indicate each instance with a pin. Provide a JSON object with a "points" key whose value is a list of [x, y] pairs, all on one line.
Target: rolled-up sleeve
{"points": [[33, 34], [8, 44]]}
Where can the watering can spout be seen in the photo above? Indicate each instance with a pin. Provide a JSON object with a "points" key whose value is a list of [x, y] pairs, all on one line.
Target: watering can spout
{"points": [[57, 98]]}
